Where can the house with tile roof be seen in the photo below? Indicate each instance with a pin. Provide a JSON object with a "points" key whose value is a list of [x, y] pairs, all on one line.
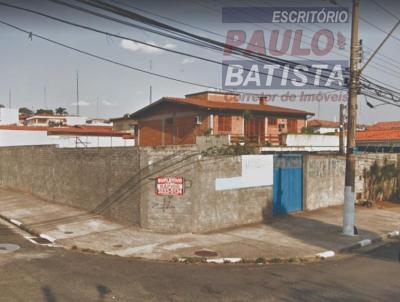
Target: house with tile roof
{"points": [[379, 140], [176, 121], [323, 126]]}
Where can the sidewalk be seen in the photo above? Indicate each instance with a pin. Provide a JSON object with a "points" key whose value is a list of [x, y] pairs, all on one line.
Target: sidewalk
{"points": [[299, 235]]}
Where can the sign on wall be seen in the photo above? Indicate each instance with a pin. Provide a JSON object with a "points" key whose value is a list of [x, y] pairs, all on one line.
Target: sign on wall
{"points": [[170, 186]]}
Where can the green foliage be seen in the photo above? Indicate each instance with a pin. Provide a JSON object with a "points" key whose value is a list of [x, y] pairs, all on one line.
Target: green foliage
{"points": [[306, 130], [247, 114], [207, 132], [61, 111], [25, 110], [381, 180], [44, 111], [232, 150]]}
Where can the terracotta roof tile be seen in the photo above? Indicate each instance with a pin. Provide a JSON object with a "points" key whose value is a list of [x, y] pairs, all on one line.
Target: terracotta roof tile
{"points": [[322, 123], [203, 103], [378, 135]]}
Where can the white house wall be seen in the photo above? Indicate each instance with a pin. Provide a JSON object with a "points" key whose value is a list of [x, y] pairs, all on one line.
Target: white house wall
{"points": [[9, 138]]}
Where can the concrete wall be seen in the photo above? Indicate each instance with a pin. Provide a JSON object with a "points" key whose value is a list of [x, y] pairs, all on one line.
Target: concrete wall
{"points": [[82, 178], [324, 177], [323, 181], [120, 184], [202, 208]]}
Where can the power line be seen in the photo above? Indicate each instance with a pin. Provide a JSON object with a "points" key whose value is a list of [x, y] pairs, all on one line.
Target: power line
{"points": [[125, 65], [209, 42], [109, 60], [384, 9], [133, 40], [307, 28]]}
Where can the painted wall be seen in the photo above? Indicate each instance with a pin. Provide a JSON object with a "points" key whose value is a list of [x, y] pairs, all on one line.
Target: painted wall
{"points": [[9, 116], [9, 138]]}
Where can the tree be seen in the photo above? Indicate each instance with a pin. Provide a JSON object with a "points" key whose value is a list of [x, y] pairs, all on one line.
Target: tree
{"points": [[61, 111], [1, 106], [26, 111], [44, 111]]}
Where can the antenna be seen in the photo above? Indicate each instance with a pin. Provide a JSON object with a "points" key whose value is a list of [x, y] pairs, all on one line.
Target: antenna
{"points": [[151, 88], [77, 93], [97, 106], [9, 99], [45, 97]]}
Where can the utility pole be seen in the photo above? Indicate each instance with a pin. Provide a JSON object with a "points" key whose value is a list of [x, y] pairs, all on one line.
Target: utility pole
{"points": [[77, 93], [341, 128], [349, 190]]}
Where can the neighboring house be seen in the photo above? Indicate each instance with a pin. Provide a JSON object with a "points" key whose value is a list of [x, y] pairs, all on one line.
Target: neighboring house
{"points": [[172, 120], [378, 140], [9, 116], [55, 120], [64, 137], [124, 124], [393, 125], [323, 126], [99, 122]]}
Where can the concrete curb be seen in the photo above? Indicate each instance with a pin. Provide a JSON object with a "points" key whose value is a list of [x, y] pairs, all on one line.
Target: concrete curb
{"points": [[305, 259], [27, 229], [227, 260]]}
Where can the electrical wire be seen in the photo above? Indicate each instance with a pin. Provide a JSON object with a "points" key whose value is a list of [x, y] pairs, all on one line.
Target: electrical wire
{"points": [[148, 21], [131, 39]]}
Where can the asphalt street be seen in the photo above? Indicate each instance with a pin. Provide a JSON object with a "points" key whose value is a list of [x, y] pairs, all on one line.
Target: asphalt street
{"points": [[40, 273]]}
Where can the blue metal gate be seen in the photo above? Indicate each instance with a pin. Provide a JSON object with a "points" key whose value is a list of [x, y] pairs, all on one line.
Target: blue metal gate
{"points": [[288, 183]]}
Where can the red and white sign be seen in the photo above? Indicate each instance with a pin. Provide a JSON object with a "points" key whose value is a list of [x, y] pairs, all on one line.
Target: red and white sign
{"points": [[170, 186]]}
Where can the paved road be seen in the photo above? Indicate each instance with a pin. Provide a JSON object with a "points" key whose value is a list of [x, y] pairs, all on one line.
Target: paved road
{"points": [[38, 273]]}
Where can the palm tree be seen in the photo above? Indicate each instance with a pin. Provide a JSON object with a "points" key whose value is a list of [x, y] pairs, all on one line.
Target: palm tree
{"points": [[61, 111]]}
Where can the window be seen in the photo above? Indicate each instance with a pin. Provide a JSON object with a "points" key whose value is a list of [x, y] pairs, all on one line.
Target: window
{"points": [[292, 125], [272, 121], [224, 123]]}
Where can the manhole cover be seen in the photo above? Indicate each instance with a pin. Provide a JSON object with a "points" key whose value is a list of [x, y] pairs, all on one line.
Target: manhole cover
{"points": [[8, 247], [40, 240], [206, 253]]}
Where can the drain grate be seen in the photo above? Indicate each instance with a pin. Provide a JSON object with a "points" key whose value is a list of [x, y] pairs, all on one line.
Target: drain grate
{"points": [[8, 247], [206, 253], [40, 240]]}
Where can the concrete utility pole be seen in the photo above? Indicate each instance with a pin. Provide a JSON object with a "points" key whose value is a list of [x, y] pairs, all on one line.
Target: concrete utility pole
{"points": [[349, 190], [341, 129]]}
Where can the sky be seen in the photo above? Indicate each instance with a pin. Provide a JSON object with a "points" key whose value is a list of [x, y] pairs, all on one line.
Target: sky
{"points": [[31, 66]]}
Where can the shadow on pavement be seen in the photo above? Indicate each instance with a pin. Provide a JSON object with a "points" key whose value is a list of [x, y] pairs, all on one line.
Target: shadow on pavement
{"points": [[324, 232]]}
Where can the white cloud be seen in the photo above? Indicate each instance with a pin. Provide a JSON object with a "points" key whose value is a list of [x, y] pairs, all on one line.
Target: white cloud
{"points": [[133, 46], [81, 103], [188, 60], [107, 103]]}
